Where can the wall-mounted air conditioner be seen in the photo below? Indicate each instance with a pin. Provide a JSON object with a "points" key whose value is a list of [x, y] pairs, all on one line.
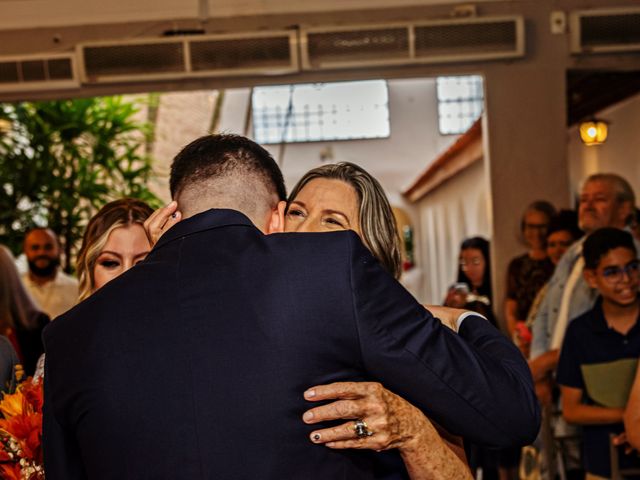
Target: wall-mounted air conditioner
{"points": [[605, 30], [225, 55], [435, 41], [38, 72]]}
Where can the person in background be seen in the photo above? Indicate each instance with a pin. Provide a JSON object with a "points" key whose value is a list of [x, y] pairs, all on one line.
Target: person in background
{"points": [[562, 233], [527, 273], [473, 288], [20, 319], [606, 200], [54, 291], [114, 241], [595, 344]]}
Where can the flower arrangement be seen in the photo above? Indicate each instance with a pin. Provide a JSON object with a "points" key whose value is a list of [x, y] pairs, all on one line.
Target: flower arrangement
{"points": [[21, 432]]}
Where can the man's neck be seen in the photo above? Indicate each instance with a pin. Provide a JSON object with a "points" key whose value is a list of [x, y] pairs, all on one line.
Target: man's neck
{"points": [[621, 317], [42, 280]]}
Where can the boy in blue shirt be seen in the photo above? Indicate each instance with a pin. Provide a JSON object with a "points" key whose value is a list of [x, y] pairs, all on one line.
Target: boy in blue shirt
{"points": [[604, 335]]}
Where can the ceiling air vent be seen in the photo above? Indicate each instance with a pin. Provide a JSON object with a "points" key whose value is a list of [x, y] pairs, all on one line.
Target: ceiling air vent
{"points": [[603, 31], [37, 72], [255, 53], [355, 46], [469, 39], [438, 41]]}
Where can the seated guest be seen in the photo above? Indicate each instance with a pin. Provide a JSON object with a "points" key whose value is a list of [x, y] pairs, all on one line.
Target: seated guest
{"points": [[595, 345], [527, 273], [20, 320], [54, 291]]}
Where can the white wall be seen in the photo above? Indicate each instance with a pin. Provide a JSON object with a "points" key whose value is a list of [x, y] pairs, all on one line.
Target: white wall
{"points": [[455, 210], [619, 154]]}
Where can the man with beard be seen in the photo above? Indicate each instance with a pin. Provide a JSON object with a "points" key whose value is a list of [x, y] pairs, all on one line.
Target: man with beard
{"points": [[54, 291]]}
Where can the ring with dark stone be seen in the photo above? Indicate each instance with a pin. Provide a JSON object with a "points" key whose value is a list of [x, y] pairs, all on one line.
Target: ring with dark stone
{"points": [[360, 427]]}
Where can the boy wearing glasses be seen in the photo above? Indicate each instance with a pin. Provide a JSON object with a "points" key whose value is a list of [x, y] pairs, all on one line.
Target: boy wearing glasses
{"points": [[599, 348]]}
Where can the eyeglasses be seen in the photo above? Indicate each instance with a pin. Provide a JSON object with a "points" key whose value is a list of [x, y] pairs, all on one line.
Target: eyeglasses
{"points": [[616, 274], [474, 261]]}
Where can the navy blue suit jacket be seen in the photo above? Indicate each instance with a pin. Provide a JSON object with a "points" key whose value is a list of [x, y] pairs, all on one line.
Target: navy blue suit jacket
{"points": [[192, 365]]}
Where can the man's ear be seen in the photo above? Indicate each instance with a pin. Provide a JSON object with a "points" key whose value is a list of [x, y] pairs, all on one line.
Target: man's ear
{"points": [[625, 213], [276, 221], [590, 277]]}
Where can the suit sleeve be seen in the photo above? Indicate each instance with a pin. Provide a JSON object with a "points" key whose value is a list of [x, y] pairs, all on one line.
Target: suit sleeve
{"points": [[475, 384], [62, 460]]}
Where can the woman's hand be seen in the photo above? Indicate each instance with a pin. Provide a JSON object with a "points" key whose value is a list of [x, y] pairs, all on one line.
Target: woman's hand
{"points": [[395, 423], [160, 221]]}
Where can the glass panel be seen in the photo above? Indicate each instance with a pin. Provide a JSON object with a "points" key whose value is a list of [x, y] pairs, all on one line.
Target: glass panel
{"points": [[460, 103], [321, 111]]}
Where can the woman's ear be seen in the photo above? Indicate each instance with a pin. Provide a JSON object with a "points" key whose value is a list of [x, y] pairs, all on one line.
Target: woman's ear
{"points": [[276, 222]]}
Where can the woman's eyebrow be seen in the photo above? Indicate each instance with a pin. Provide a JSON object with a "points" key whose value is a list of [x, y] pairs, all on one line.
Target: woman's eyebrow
{"points": [[298, 202], [116, 254]]}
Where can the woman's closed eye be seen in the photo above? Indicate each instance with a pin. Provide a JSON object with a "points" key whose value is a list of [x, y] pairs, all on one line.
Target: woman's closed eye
{"points": [[109, 263], [334, 222]]}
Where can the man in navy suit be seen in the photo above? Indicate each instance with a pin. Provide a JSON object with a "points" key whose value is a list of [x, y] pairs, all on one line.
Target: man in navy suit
{"points": [[193, 364]]}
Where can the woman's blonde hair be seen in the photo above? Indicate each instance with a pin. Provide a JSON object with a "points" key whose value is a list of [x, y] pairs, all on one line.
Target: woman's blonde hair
{"points": [[377, 223], [116, 214], [16, 305]]}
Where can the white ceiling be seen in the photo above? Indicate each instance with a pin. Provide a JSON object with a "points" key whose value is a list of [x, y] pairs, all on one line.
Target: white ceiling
{"points": [[21, 14]]}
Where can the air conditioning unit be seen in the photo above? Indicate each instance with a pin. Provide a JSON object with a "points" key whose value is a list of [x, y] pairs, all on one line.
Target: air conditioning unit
{"points": [[225, 55], [38, 72], [435, 41], [605, 30]]}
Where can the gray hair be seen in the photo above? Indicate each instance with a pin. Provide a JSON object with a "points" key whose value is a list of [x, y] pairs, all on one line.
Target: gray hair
{"points": [[377, 222], [623, 190]]}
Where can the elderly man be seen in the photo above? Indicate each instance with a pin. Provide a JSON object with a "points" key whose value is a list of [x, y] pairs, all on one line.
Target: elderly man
{"points": [[54, 291]]}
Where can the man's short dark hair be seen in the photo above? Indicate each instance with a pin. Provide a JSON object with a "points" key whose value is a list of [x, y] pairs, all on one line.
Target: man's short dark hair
{"points": [[216, 155], [602, 241]]}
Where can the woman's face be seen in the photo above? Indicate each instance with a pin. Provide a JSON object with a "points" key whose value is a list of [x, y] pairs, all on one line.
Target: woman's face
{"points": [[558, 243], [324, 205], [125, 247], [535, 229], [473, 264]]}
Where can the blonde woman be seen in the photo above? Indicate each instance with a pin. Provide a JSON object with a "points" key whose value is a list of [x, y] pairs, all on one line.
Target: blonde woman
{"points": [[113, 242]]}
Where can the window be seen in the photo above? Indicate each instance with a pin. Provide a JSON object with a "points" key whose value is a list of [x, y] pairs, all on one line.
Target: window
{"points": [[460, 103], [321, 111]]}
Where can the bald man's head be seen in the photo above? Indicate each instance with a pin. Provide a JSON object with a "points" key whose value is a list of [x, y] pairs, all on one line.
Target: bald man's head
{"points": [[42, 250]]}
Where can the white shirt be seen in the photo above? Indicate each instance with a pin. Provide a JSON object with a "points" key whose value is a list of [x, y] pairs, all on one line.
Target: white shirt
{"points": [[54, 297]]}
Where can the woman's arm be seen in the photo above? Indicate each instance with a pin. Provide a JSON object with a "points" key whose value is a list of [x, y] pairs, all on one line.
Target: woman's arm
{"points": [[395, 423], [510, 308], [574, 411], [632, 414]]}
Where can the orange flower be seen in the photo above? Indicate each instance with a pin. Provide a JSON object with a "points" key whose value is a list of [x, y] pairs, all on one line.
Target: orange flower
{"points": [[10, 471], [11, 405]]}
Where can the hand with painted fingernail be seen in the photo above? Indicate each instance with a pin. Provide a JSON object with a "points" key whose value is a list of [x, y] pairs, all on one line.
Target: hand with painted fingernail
{"points": [[161, 220], [377, 419]]}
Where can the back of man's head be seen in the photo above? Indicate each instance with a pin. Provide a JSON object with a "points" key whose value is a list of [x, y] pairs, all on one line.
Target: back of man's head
{"points": [[226, 171]]}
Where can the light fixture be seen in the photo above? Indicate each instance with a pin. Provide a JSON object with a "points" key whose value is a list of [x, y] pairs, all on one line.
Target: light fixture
{"points": [[594, 132]]}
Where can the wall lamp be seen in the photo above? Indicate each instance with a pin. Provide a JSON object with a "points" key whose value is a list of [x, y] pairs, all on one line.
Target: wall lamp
{"points": [[594, 132]]}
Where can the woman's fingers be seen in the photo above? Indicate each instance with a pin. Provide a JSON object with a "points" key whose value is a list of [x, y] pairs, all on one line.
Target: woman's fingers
{"points": [[347, 409], [344, 436], [341, 390], [160, 221]]}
